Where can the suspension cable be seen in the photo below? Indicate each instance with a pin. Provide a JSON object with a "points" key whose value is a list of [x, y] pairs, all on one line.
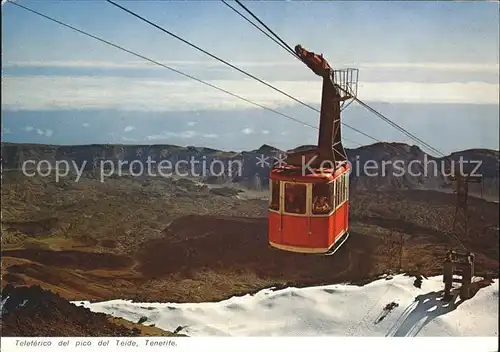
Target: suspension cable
{"points": [[232, 66], [378, 114], [285, 47], [451, 235], [162, 65], [265, 26], [171, 69]]}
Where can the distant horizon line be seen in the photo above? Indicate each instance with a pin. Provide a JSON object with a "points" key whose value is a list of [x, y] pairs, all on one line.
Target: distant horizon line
{"points": [[10, 109]]}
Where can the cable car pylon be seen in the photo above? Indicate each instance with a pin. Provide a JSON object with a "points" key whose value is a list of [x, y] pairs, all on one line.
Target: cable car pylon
{"points": [[309, 207]]}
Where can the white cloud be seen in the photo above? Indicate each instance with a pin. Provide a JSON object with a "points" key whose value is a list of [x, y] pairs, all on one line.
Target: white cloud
{"points": [[450, 93], [128, 139], [144, 64], [435, 66], [191, 123], [29, 128], [247, 130], [129, 128], [46, 132], [265, 132], [184, 134], [85, 124], [490, 67], [47, 92], [166, 135], [7, 131]]}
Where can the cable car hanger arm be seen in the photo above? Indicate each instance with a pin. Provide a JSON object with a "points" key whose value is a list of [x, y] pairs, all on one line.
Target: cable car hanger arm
{"points": [[329, 147], [315, 62]]}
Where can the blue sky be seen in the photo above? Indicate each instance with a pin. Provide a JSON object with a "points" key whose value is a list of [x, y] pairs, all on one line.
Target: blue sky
{"points": [[432, 67]]}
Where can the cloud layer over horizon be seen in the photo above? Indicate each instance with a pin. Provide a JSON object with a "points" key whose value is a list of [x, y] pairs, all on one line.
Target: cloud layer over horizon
{"points": [[431, 67], [39, 92]]}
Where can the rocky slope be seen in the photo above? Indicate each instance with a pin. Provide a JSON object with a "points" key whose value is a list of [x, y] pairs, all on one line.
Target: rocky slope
{"points": [[33, 311]]}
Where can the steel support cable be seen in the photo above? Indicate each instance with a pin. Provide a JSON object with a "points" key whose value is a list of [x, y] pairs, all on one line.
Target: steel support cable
{"points": [[387, 120], [265, 26], [446, 158], [231, 65], [378, 114], [401, 129], [285, 47], [160, 64]]}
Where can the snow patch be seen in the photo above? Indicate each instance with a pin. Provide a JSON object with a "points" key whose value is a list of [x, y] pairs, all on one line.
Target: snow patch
{"points": [[332, 310], [2, 303]]}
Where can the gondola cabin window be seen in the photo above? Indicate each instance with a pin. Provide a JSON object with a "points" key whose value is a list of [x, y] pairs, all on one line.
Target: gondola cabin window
{"points": [[338, 192], [295, 198], [346, 186], [322, 198], [341, 189], [274, 203]]}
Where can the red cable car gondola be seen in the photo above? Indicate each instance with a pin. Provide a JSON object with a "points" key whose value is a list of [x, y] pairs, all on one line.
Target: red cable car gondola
{"points": [[309, 200]]}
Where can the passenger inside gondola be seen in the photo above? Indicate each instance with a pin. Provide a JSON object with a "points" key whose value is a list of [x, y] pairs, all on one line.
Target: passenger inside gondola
{"points": [[295, 201], [322, 198], [320, 205]]}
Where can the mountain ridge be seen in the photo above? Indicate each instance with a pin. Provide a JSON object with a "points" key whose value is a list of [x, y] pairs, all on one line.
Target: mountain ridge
{"points": [[397, 165]]}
